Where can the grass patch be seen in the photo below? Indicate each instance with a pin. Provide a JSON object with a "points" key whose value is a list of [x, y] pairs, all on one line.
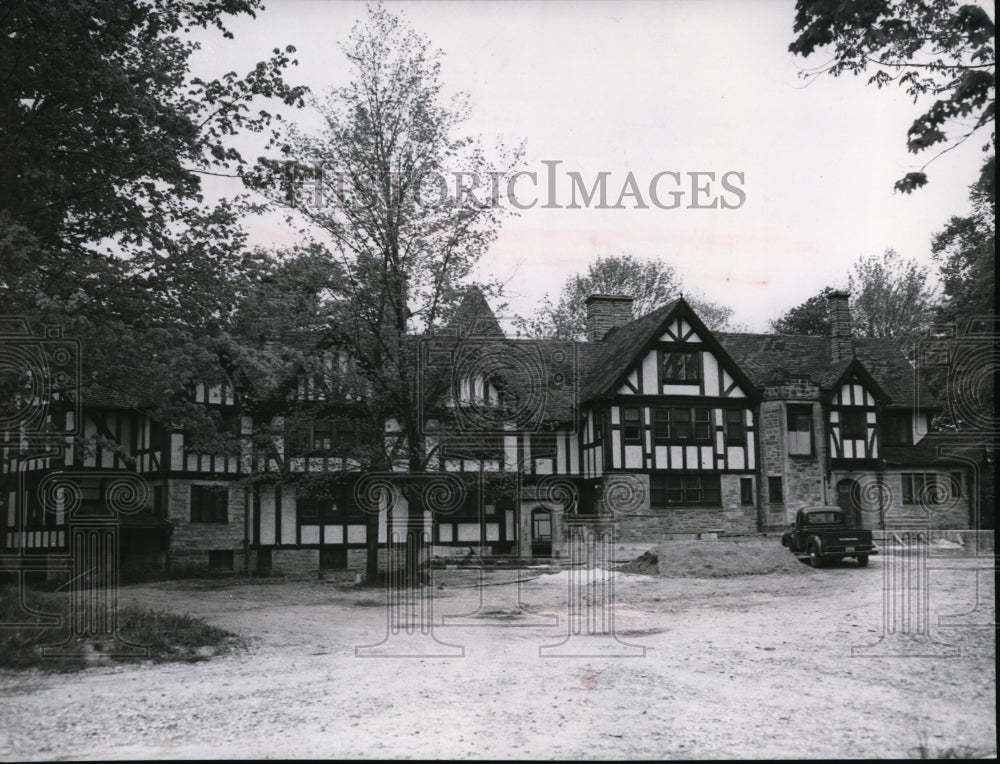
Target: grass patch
{"points": [[166, 636]]}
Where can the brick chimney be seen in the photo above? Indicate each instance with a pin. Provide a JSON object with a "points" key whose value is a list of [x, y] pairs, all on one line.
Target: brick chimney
{"points": [[839, 310], [605, 312]]}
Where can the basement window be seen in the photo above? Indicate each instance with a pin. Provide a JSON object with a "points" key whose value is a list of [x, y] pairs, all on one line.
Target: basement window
{"points": [[220, 559]]}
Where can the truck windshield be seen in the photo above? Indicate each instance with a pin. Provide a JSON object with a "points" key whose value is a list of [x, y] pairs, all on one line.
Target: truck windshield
{"points": [[823, 518]]}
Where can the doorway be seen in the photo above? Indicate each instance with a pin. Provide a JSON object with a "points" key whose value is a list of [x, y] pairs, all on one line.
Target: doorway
{"points": [[541, 533]]}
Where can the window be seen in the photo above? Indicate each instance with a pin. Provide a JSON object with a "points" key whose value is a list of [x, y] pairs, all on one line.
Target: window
{"points": [[541, 524], [333, 559], [702, 424], [681, 424], [680, 366], [543, 445], [746, 491], [220, 559], [931, 488], [853, 425], [774, 490], [230, 423], [673, 424], [631, 425], [313, 509], [661, 425], [734, 427], [824, 518], [337, 435], [897, 429], [672, 490], [209, 504], [322, 436], [800, 430]]}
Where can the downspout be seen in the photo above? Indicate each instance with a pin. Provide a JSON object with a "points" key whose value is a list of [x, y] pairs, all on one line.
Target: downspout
{"points": [[247, 511]]}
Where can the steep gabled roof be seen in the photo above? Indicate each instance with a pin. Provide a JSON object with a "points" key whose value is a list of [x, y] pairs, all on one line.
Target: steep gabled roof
{"points": [[474, 317], [625, 346], [621, 348], [884, 359], [768, 358], [839, 372]]}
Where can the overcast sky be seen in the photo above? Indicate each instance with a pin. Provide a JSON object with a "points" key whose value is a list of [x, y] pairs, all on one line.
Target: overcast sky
{"points": [[653, 86]]}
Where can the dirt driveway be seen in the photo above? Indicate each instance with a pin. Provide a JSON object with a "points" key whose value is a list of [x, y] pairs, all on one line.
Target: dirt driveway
{"points": [[752, 666]]}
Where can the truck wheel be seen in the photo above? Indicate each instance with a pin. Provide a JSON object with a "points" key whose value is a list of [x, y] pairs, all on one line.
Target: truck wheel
{"points": [[815, 559], [862, 561]]}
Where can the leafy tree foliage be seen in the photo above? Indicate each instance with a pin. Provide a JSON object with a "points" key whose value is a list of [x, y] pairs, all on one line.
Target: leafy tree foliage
{"points": [[811, 317], [939, 49], [966, 251], [890, 298], [651, 284], [104, 133]]}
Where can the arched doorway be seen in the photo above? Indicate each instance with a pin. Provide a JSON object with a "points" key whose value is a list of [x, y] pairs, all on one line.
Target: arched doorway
{"points": [[848, 497], [541, 533]]}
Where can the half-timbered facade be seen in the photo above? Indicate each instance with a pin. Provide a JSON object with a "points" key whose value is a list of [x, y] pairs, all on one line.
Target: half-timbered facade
{"points": [[716, 433]]}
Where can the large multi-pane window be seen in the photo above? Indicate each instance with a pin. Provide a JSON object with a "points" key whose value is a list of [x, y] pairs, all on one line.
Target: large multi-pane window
{"points": [[800, 430], [681, 424], [338, 436], [314, 509], [678, 490], [680, 366], [931, 488], [209, 504]]}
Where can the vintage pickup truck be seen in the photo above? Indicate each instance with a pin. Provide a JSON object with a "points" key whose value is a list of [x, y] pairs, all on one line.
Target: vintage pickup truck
{"points": [[823, 533]]}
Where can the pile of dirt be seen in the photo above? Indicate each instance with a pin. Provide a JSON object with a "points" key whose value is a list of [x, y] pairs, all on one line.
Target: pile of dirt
{"points": [[646, 564], [703, 559]]}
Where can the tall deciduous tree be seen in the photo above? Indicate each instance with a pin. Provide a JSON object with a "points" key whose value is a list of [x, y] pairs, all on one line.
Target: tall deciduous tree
{"points": [[966, 252], [651, 284], [940, 49], [890, 298], [378, 182]]}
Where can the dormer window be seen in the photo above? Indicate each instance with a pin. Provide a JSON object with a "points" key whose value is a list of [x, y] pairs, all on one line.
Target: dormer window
{"points": [[853, 425], [897, 429]]}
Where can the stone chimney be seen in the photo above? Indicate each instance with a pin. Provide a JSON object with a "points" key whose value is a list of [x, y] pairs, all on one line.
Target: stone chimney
{"points": [[839, 309], [605, 312]]}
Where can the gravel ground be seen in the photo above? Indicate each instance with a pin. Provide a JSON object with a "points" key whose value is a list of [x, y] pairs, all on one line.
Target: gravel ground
{"points": [[735, 667]]}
